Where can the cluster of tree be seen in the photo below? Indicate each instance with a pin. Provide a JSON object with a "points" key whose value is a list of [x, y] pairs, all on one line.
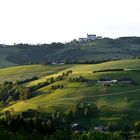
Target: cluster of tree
{"points": [[63, 76], [12, 92], [81, 110], [64, 135], [26, 80], [108, 70], [93, 61], [51, 80], [84, 109], [119, 126], [78, 79], [132, 39], [40, 54], [31, 120], [49, 128], [72, 52], [42, 84], [54, 87], [19, 123], [53, 126]]}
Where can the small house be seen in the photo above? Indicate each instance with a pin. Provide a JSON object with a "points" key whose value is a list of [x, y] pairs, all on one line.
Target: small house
{"points": [[101, 129], [77, 127], [105, 80]]}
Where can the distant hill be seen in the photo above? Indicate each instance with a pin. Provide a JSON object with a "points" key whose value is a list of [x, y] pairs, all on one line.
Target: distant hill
{"points": [[19, 54]]}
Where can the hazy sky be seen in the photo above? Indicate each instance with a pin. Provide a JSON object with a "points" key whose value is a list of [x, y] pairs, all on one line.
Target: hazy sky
{"points": [[45, 21]]}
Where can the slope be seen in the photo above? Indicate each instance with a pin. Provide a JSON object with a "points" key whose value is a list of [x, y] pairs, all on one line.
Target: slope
{"points": [[111, 100]]}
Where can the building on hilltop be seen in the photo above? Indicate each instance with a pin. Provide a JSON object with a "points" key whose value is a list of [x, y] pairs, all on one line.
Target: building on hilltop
{"points": [[91, 37]]}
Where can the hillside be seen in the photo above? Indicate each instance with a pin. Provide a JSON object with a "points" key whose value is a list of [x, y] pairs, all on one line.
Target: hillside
{"points": [[28, 71], [114, 101], [104, 49]]}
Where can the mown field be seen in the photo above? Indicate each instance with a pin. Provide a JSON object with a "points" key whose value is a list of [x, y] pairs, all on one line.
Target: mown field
{"points": [[111, 100]]}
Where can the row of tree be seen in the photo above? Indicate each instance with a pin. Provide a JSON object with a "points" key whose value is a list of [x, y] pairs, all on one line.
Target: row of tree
{"points": [[78, 79], [12, 92], [19, 82], [54, 87], [51, 80]]}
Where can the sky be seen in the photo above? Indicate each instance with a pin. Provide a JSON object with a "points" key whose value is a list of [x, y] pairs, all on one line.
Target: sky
{"points": [[46, 21]]}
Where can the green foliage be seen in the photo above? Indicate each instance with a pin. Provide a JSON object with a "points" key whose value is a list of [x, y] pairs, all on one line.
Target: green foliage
{"points": [[54, 87], [26, 80], [86, 110], [12, 92], [137, 126], [87, 52], [113, 126]]}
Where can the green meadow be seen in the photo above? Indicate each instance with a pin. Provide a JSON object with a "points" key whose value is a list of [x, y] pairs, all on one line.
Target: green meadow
{"points": [[111, 100]]}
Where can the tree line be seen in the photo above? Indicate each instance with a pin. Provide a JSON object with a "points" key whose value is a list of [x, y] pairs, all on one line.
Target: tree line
{"points": [[12, 92], [51, 80]]}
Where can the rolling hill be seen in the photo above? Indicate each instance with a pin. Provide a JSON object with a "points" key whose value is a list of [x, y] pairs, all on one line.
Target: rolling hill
{"points": [[114, 101], [104, 49]]}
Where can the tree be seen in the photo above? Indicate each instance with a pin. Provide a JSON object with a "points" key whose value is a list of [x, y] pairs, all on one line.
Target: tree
{"points": [[137, 126], [24, 94], [10, 98], [113, 126]]}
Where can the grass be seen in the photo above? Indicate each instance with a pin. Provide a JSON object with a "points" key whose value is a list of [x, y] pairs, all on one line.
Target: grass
{"points": [[28, 71], [109, 100]]}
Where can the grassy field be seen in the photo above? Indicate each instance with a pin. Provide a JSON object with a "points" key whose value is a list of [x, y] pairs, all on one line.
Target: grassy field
{"points": [[110, 100], [28, 71]]}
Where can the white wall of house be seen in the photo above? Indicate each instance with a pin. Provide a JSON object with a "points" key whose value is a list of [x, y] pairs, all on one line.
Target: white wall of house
{"points": [[91, 37]]}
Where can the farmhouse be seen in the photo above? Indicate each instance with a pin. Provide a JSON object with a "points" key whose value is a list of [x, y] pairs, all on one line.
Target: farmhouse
{"points": [[101, 129], [114, 81], [107, 80], [77, 127]]}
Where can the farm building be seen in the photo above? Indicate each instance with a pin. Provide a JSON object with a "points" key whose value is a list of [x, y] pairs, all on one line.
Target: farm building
{"points": [[77, 127], [101, 128], [107, 80]]}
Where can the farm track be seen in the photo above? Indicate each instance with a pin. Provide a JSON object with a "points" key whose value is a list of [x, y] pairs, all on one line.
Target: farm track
{"points": [[104, 95]]}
